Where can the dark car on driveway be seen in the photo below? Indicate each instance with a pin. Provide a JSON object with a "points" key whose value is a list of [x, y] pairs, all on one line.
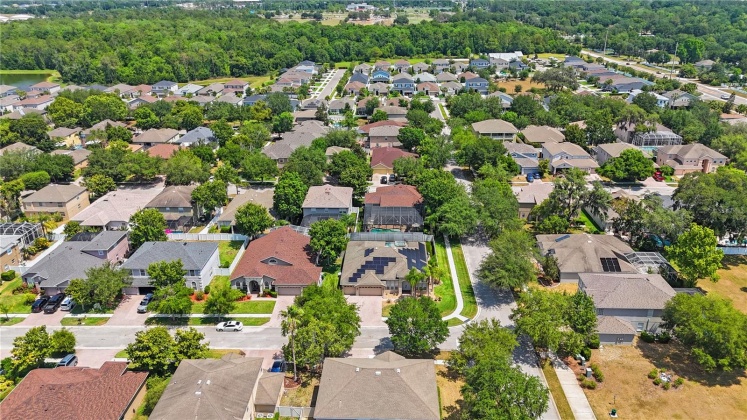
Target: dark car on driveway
{"points": [[54, 303], [39, 304]]}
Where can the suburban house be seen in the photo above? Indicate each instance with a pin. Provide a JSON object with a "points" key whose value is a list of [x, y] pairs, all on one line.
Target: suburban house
{"points": [[393, 207], [440, 64], [541, 134], [704, 65], [688, 158], [375, 264], [499, 63], [531, 195], [100, 126], [424, 77], [213, 89], [79, 156], [626, 304], [384, 387], [264, 198], [199, 259], [10, 251], [420, 67], [19, 147], [39, 103], [526, 156], [395, 112], [477, 84], [306, 66], [189, 89], [70, 260], [7, 90], [363, 68], [142, 100], [156, 136], [648, 140], [679, 99], [382, 159], [164, 150], [403, 84], [326, 202], [113, 210], [566, 155], [380, 76], [606, 151], [661, 101], [302, 135], [7, 103], [359, 77], [446, 77], [197, 136], [233, 387], [176, 205], [429, 88], [230, 99], [281, 261], [382, 65], [66, 137], [583, 253], [452, 88], [44, 87], [67, 200], [479, 63], [354, 88], [339, 106], [236, 85], [384, 136], [517, 65], [109, 392], [495, 129], [164, 88]]}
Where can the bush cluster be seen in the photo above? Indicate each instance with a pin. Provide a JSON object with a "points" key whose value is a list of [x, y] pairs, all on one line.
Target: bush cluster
{"points": [[597, 372], [8, 275], [647, 337]]}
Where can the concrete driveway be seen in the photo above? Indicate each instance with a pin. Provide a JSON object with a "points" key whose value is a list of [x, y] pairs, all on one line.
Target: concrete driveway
{"points": [[369, 309], [282, 303], [126, 312], [40, 318]]}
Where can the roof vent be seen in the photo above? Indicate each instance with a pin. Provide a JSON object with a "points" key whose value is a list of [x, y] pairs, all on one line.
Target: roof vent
{"points": [[378, 373], [398, 371], [357, 369], [198, 393], [208, 381]]}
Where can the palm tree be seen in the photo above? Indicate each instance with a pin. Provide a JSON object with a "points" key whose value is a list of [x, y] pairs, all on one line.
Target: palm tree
{"points": [[414, 277], [289, 325]]}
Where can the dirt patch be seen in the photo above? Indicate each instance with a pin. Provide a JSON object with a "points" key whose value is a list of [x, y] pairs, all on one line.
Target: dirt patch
{"points": [[303, 395], [525, 85], [450, 390], [627, 388], [733, 282]]}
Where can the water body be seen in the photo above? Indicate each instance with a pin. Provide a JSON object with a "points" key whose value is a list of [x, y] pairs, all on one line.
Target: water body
{"points": [[23, 80]]}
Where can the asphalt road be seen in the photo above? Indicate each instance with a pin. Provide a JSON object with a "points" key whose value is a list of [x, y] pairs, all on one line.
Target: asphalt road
{"points": [[709, 93], [332, 84]]}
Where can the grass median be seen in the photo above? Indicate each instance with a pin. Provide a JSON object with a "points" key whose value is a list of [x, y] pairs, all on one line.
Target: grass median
{"points": [[89, 321], [465, 284], [553, 383], [205, 321], [445, 290]]}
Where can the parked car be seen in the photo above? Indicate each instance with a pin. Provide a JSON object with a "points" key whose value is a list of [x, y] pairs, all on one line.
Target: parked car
{"points": [[392, 178], [69, 360], [68, 304], [383, 179], [229, 326], [143, 307], [725, 96], [39, 304], [54, 303], [530, 178], [658, 176], [278, 366]]}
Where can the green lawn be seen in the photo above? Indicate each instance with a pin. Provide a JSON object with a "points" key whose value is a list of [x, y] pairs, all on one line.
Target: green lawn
{"points": [[254, 81], [15, 303], [220, 281], [227, 251], [7, 322], [443, 111], [245, 307], [445, 290], [468, 294], [591, 227], [212, 353], [553, 383], [453, 322], [89, 321], [209, 321]]}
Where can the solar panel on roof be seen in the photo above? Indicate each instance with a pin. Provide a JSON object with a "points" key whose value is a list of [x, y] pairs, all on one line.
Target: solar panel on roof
{"points": [[610, 265], [562, 238]]}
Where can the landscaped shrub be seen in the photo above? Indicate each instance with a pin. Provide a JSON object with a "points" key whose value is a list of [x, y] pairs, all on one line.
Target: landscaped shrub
{"points": [[207, 289], [594, 342], [28, 298], [41, 244], [663, 337], [155, 386], [589, 384], [200, 295], [23, 288], [657, 381], [678, 382], [667, 385], [597, 372], [647, 337], [8, 275], [653, 374], [586, 353], [62, 342]]}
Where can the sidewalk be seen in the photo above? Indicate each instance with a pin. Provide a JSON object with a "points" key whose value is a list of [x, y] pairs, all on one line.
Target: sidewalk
{"points": [[455, 282], [573, 392]]}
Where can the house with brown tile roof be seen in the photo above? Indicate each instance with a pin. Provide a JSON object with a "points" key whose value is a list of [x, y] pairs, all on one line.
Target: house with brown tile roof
{"points": [[393, 207], [326, 202], [387, 386], [429, 88], [382, 159], [354, 88], [164, 150], [73, 393], [282, 261]]}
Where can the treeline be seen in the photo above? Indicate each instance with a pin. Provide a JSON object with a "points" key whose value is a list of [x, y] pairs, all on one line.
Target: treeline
{"points": [[137, 46]]}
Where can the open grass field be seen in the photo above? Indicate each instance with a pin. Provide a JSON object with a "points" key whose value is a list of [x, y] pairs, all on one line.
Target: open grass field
{"points": [[227, 251], [703, 396], [559, 57], [52, 75], [15, 303], [556, 390], [733, 282], [468, 294], [445, 290], [89, 321]]}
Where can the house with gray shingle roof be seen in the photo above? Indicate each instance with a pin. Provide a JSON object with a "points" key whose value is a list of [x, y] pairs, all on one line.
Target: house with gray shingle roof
{"points": [[626, 304], [176, 205], [199, 135], [326, 202], [156, 136], [583, 253], [199, 259], [688, 158]]}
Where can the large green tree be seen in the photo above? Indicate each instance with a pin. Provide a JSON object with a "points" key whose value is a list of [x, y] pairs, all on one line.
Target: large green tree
{"points": [[289, 195], [631, 165], [328, 238], [184, 168], [481, 341], [102, 286], [152, 350], [210, 195], [415, 326], [29, 351], [695, 255], [509, 264], [147, 225], [253, 219]]}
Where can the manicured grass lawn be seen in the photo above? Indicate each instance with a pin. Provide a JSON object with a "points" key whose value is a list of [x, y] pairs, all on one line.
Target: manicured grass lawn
{"points": [[453, 322], [15, 302], [468, 294], [212, 353], [443, 111], [254, 81], [227, 251], [7, 322], [122, 354], [445, 290], [591, 227], [560, 57], [244, 307], [196, 229], [733, 282], [89, 321], [210, 321], [703, 396], [553, 383], [220, 281]]}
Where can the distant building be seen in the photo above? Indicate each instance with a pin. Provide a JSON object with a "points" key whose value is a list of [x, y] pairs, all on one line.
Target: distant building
{"points": [[688, 158]]}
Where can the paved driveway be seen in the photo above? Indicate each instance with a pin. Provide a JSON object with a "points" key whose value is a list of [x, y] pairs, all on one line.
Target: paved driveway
{"points": [[38, 319], [283, 302], [369, 309], [126, 312]]}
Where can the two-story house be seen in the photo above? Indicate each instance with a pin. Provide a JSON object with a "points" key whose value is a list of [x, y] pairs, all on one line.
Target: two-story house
{"points": [[384, 136], [495, 129], [661, 101], [402, 65], [236, 85], [526, 156], [440, 64], [606, 151], [164, 88], [393, 207], [499, 63], [199, 260], [420, 67], [679, 99], [306, 66], [281, 261], [44, 87], [477, 84], [40, 102], [65, 200], [479, 63], [326, 202], [382, 159], [359, 77], [176, 205], [566, 155], [626, 304], [687, 158], [403, 84], [7, 90], [70, 260], [10, 251], [647, 140], [380, 76], [354, 88]]}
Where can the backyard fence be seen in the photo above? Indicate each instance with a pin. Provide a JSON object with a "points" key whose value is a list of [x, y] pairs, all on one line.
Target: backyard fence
{"points": [[206, 237], [296, 412]]}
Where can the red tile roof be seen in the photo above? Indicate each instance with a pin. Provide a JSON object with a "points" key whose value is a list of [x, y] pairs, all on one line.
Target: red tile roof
{"points": [[387, 155], [286, 245], [72, 393], [367, 127], [395, 196], [164, 150]]}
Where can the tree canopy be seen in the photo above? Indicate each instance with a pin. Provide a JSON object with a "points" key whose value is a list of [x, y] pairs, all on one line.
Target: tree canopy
{"points": [[695, 255], [416, 326]]}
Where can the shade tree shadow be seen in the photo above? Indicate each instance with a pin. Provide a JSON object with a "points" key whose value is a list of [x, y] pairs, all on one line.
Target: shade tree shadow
{"points": [[675, 357]]}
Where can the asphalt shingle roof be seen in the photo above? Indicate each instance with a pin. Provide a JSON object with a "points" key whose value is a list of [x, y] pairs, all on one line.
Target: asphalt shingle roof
{"points": [[194, 255]]}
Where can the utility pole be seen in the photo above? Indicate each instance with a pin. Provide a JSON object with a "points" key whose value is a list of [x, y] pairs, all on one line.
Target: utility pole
{"points": [[604, 51], [671, 62]]}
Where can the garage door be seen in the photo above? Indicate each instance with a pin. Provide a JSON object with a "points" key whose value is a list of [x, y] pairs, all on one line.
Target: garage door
{"points": [[289, 290], [370, 291], [145, 290], [130, 291]]}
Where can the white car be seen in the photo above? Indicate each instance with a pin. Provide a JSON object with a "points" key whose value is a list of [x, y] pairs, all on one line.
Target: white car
{"points": [[725, 96], [229, 326]]}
